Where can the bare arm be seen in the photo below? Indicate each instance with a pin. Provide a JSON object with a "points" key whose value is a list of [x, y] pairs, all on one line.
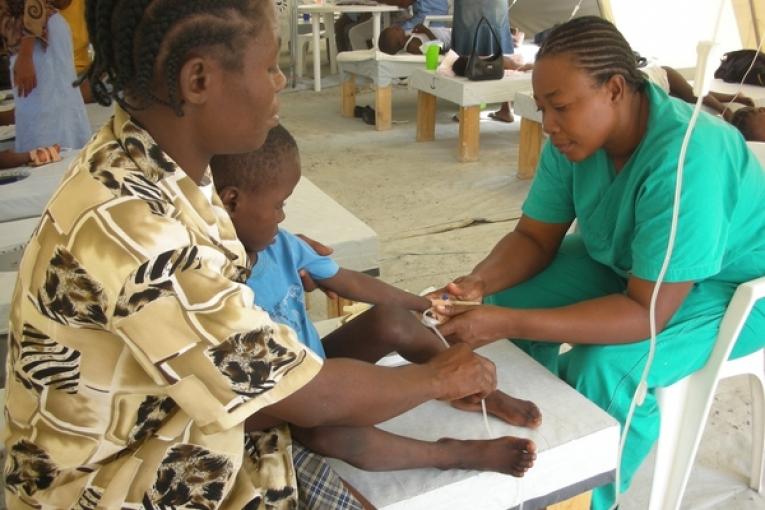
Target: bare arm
{"points": [[612, 319], [351, 392], [361, 287], [519, 255]]}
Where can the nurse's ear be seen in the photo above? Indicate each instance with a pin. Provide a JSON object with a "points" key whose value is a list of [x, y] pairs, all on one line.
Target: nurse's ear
{"points": [[616, 87]]}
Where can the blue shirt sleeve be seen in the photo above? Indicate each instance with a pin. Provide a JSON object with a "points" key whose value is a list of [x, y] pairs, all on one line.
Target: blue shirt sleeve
{"points": [[318, 266], [550, 198]]}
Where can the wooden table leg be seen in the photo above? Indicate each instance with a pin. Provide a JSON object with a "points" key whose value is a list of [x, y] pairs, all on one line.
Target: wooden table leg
{"points": [[426, 117], [335, 306], [315, 24], [383, 107], [530, 145], [580, 502], [469, 133], [348, 95]]}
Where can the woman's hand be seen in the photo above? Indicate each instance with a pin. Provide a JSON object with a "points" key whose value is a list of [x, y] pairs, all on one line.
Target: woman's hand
{"points": [[474, 325], [466, 288], [460, 373], [24, 75]]}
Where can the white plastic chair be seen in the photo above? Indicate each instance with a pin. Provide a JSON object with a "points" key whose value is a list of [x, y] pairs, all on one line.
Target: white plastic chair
{"points": [[685, 405], [304, 40]]}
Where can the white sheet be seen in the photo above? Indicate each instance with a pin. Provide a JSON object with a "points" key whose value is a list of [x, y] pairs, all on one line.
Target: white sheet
{"points": [[576, 442], [28, 197]]}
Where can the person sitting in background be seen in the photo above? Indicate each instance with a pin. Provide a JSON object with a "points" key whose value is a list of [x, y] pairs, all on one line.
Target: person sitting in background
{"points": [[49, 109], [253, 188], [394, 39], [420, 9], [467, 15]]}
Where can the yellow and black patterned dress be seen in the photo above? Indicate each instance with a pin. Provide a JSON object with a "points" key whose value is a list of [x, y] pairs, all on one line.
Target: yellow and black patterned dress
{"points": [[135, 352]]}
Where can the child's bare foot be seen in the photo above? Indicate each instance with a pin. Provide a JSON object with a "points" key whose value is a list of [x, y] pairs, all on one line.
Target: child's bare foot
{"points": [[509, 455], [521, 413]]}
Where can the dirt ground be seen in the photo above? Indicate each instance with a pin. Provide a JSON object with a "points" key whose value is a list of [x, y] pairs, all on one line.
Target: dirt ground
{"points": [[436, 218]]}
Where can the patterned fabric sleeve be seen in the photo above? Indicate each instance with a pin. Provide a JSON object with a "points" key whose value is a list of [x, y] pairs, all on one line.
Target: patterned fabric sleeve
{"points": [[36, 13], [195, 330]]}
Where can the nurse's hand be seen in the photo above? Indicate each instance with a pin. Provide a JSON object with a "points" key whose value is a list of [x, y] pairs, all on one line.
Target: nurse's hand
{"points": [[465, 288], [474, 325]]}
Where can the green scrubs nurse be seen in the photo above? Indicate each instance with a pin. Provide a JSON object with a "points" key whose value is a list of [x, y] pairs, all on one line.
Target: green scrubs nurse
{"points": [[610, 163]]}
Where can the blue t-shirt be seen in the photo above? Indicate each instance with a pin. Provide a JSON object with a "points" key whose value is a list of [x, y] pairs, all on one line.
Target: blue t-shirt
{"points": [[624, 218], [278, 289], [422, 8]]}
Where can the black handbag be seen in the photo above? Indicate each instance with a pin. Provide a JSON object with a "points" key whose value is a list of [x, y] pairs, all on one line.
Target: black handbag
{"points": [[746, 65], [485, 68]]}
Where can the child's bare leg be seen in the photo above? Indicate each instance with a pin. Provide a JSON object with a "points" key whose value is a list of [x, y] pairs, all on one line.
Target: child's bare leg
{"points": [[385, 329], [521, 413], [381, 330], [373, 449]]}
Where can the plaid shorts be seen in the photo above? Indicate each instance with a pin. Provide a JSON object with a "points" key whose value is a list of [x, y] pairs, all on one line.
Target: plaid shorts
{"points": [[319, 487]]}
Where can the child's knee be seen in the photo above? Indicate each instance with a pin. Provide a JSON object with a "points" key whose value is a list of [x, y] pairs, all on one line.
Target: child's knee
{"points": [[392, 324]]}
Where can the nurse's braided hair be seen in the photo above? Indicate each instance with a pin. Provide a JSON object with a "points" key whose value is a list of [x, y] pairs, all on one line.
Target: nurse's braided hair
{"points": [[597, 47], [138, 43]]}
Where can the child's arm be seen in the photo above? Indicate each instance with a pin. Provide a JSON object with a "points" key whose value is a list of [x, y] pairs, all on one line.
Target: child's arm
{"points": [[361, 287]]}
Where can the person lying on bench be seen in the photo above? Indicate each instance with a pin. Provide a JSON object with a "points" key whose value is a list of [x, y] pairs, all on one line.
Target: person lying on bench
{"points": [[395, 40], [253, 188]]}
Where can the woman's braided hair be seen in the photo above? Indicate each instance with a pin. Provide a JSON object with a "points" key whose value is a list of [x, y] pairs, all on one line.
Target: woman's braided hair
{"points": [[139, 41], [598, 48]]}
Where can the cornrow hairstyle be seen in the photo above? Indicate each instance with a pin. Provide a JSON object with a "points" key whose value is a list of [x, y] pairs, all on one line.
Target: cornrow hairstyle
{"points": [[138, 43], [598, 49], [258, 169], [742, 120]]}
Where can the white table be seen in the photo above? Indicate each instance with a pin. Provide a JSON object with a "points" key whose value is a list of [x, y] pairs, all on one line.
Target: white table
{"points": [[577, 446], [327, 13]]}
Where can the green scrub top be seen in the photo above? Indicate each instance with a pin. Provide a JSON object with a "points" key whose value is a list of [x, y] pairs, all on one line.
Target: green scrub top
{"points": [[624, 219]]}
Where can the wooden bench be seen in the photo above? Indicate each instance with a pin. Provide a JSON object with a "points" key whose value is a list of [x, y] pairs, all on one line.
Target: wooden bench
{"points": [[469, 95], [379, 68]]}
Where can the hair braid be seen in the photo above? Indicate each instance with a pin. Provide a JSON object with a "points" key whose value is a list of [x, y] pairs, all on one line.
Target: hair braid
{"points": [[137, 41], [598, 48]]}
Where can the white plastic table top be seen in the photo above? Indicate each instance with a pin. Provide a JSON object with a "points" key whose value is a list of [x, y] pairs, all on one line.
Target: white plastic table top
{"points": [[577, 447], [327, 11], [464, 92]]}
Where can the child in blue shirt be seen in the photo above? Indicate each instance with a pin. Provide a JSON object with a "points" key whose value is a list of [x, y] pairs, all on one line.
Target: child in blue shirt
{"points": [[254, 187]]}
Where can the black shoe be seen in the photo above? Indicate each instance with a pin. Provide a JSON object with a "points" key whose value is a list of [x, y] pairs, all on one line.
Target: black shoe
{"points": [[368, 115], [358, 111]]}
